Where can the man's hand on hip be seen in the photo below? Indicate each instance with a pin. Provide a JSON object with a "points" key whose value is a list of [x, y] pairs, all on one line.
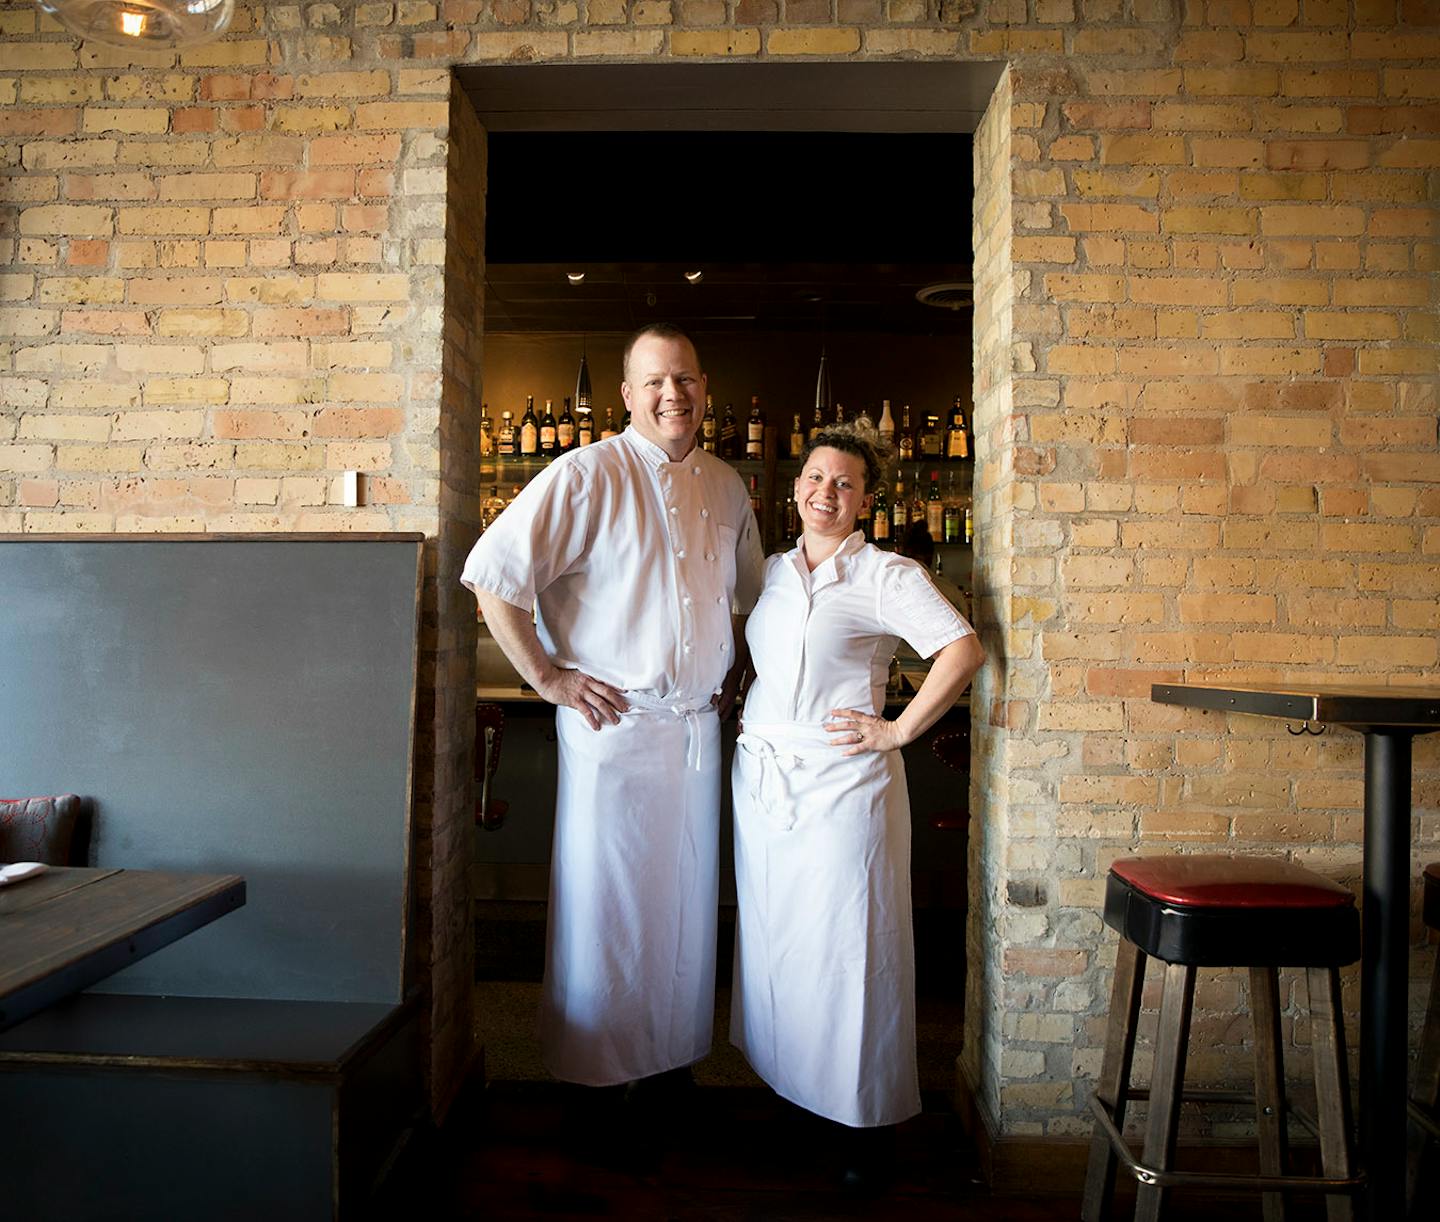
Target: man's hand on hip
{"points": [[597, 702]]}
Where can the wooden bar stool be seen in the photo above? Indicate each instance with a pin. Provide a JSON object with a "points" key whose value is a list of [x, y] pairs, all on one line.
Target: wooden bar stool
{"points": [[1425, 1102], [1222, 911]]}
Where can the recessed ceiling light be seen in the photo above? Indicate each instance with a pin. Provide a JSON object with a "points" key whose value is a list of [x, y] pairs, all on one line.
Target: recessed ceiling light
{"points": [[575, 277], [694, 277]]}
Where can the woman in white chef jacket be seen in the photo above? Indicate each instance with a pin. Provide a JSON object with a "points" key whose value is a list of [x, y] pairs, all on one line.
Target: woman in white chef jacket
{"points": [[823, 1004]]}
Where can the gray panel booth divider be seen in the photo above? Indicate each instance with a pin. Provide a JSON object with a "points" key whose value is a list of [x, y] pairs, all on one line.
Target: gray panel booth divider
{"points": [[245, 705]]}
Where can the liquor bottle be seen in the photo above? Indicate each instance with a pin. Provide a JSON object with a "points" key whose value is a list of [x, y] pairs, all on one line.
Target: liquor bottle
{"points": [[729, 433], [864, 422], [887, 424], [529, 430], [608, 430], [584, 428], [839, 415], [490, 508], [709, 428], [907, 435], [506, 443], [952, 510], [917, 498], [792, 517], [797, 436], [565, 430], [549, 445], [969, 525], [880, 516], [863, 519], [817, 423], [957, 441], [755, 430], [930, 443], [899, 512], [935, 510], [487, 434], [755, 503]]}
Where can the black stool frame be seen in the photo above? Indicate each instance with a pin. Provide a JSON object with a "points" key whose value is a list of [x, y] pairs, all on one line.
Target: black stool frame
{"points": [[1153, 1171]]}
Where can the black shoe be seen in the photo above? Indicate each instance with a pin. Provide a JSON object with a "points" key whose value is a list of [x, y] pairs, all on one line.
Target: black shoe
{"points": [[868, 1159], [649, 1111]]}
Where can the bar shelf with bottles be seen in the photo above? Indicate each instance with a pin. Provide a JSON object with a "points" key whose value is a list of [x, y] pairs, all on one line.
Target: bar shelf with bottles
{"points": [[928, 479]]}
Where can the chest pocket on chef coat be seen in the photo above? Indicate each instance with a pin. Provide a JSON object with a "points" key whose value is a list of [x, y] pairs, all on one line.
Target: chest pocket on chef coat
{"points": [[725, 558]]}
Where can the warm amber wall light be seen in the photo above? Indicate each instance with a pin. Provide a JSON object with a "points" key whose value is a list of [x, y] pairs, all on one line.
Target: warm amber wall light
{"points": [[132, 24]]}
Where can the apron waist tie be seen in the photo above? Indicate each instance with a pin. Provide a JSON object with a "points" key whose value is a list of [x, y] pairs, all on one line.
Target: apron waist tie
{"points": [[687, 711], [774, 793]]}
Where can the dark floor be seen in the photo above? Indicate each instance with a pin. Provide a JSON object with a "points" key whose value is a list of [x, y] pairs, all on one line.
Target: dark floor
{"points": [[534, 1151], [519, 1146]]}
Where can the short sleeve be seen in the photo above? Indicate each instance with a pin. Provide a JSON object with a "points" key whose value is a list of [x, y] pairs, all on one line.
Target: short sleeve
{"points": [[909, 606], [536, 539]]}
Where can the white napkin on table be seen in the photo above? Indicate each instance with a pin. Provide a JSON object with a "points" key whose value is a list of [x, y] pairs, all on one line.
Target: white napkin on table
{"points": [[14, 872]]}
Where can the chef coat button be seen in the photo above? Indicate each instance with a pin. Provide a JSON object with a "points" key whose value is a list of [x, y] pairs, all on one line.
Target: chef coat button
{"points": [[674, 508], [680, 554], [694, 470], [709, 555], [720, 598], [687, 600], [704, 513], [689, 648]]}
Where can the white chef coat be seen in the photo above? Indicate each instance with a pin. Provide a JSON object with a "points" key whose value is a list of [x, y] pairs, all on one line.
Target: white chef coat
{"points": [[634, 564], [823, 1004]]}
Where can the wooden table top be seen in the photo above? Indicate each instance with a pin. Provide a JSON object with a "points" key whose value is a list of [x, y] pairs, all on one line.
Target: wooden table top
{"points": [[65, 929], [1337, 704]]}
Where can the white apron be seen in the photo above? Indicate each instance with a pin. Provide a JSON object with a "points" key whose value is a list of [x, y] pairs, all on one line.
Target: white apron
{"points": [[823, 1004], [630, 962]]}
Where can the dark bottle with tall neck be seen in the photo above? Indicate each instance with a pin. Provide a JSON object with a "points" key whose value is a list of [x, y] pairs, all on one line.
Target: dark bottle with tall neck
{"points": [[565, 430], [729, 434], [709, 428], [957, 440], [755, 430], [529, 430], [549, 445]]}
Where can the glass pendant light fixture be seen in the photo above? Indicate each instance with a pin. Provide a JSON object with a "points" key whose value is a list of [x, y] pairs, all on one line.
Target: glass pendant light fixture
{"points": [[147, 24]]}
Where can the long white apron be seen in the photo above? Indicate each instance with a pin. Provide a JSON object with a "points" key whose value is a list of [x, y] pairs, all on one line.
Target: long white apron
{"points": [[630, 956], [823, 1004]]}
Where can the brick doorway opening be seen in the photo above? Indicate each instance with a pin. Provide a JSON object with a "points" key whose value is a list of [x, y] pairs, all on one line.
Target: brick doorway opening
{"points": [[869, 101]]}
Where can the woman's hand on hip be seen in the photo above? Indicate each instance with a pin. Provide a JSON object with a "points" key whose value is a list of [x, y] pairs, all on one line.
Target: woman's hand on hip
{"points": [[860, 732]]}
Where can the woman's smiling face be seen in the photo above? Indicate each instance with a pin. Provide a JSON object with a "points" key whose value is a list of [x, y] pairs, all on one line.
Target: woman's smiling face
{"points": [[830, 492]]}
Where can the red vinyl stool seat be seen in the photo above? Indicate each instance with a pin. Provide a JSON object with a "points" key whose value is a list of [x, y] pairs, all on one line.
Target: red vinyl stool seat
{"points": [[1425, 1101], [1223, 911]]}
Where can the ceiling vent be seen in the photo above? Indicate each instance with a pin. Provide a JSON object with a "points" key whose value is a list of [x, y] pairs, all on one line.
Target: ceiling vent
{"points": [[951, 295]]}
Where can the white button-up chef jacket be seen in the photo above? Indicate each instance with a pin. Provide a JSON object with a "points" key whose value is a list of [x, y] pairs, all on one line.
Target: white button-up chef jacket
{"points": [[634, 564], [823, 640]]}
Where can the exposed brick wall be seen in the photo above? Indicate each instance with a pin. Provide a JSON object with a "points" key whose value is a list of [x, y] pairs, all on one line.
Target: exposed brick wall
{"points": [[993, 426], [1206, 392]]}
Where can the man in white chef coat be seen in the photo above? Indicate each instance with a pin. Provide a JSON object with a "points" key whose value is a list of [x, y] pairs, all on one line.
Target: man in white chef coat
{"points": [[634, 553]]}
